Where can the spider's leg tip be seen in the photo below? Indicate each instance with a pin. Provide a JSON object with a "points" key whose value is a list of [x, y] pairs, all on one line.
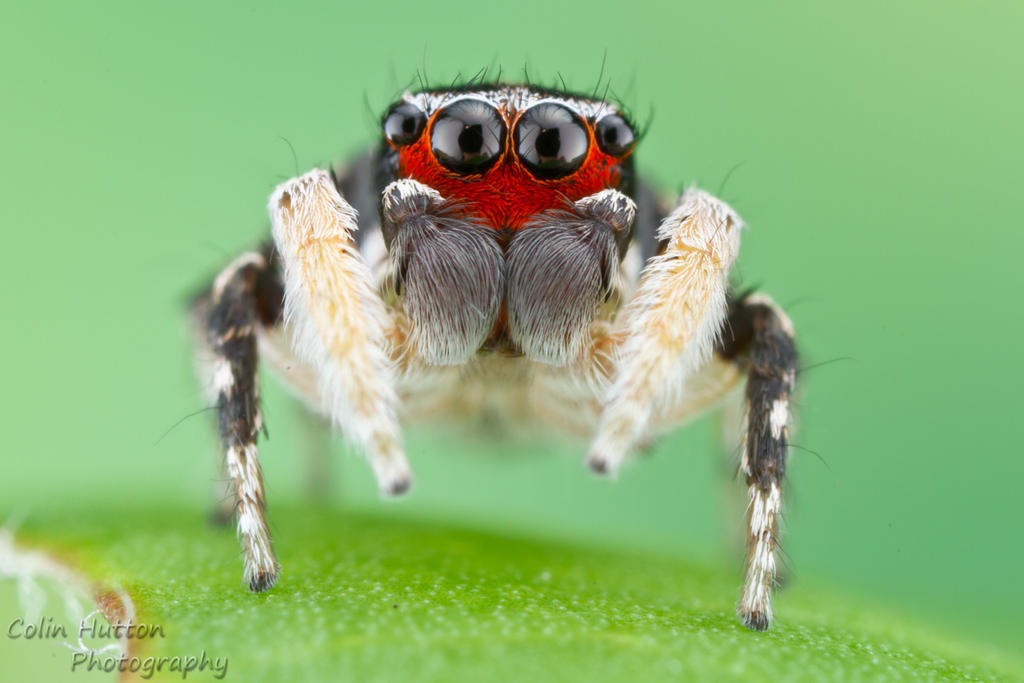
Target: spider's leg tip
{"points": [[393, 475], [262, 580], [396, 484], [600, 464], [755, 620], [398, 487]]}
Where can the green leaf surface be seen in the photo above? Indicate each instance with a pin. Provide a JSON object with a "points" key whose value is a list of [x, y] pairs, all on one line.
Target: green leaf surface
{"points": [[365, 598]]}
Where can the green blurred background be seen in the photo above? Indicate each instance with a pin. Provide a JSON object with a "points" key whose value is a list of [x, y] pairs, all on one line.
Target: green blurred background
{"points": [[874, 148]]}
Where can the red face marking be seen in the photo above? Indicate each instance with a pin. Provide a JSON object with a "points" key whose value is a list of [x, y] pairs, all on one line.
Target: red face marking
{"points": [[506, 194]]}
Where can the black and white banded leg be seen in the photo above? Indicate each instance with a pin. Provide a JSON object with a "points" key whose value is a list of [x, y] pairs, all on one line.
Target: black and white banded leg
{"points": [[759, 330], [244, 296]]}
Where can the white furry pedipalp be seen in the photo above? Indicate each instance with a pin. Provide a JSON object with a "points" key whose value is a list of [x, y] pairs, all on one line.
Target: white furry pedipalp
{"points": [[671, 324], [337, 321]]}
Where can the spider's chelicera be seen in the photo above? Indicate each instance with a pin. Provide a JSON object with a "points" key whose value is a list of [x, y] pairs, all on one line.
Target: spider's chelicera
{"points": [[499, 227]]}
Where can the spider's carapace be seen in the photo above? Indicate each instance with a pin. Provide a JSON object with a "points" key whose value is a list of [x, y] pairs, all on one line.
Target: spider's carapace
{"points": [[510, 153]]}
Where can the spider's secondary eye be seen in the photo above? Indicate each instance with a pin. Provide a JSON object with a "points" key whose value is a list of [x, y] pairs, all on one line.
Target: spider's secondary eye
{"points": [[468, 136], [614, 136], [404, 123], [551, 140]]}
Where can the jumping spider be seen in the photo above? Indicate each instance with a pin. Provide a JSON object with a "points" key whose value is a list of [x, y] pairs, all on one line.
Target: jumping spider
{"points": [[498, 243]]}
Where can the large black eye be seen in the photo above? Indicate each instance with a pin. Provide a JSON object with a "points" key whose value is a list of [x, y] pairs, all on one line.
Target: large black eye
{"points": [[468, 136], [551, 140], [404, 123], [614, 136]]}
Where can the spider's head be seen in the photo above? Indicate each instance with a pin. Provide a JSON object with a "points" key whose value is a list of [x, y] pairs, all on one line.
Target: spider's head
{"points": [[508, 152]]}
